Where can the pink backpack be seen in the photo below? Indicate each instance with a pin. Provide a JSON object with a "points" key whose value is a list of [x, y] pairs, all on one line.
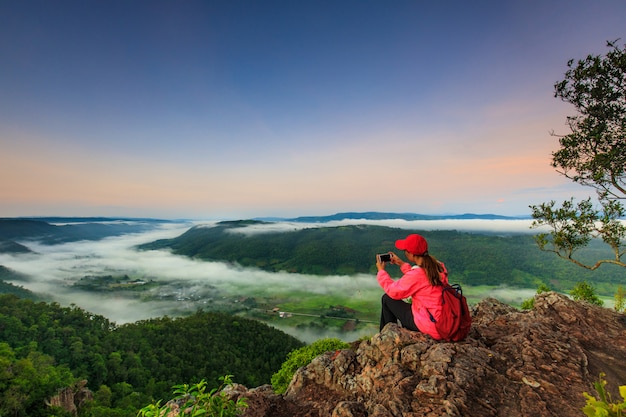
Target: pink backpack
{"points": [[455, 321]]}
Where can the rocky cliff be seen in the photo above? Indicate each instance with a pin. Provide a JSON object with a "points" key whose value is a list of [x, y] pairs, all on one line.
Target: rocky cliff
{"points": [[514, 363]]}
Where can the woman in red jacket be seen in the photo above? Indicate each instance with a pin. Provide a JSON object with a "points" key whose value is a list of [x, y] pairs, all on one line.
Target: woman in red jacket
{"points": [[420, 282]]}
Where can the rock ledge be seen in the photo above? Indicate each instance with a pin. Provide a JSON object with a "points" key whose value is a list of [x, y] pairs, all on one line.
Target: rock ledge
{"points": [[514, 363]]}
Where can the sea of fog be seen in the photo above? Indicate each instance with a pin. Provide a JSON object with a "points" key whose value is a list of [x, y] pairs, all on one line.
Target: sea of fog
{"points": [[51, 269]]}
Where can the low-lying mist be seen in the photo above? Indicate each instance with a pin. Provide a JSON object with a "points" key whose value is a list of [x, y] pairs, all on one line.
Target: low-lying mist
{"points": [[470, 225], [188, 283]]}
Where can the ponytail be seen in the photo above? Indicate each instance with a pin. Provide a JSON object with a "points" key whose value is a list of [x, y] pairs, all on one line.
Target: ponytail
{"points": [[433, 269]]}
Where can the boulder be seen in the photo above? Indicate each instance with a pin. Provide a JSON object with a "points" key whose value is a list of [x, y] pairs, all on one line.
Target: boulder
{"points": [[513, 363]]}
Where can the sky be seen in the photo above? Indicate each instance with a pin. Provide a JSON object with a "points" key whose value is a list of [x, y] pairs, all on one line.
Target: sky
{"points": [[240, 108]]}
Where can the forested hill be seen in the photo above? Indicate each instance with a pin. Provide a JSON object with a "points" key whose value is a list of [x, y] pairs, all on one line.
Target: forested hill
{"points": [[472, 258], [78, 229], [48, 347], [6, 287]]}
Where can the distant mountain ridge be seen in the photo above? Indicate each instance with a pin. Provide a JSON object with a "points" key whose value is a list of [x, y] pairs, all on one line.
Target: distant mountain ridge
{"points": [[375, 215], [99, 219], [70, 230], [54, 230]]}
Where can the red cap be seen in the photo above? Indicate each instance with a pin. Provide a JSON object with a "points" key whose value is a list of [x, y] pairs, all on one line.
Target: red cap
{"points": [[415, 244]]}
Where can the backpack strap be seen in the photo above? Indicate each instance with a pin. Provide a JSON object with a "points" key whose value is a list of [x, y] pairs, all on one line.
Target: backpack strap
{"points": [[443, 288], [431, 317]]}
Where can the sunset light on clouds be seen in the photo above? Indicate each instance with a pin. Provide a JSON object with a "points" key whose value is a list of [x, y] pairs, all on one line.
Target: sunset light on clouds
{"points": [[238, 109]]}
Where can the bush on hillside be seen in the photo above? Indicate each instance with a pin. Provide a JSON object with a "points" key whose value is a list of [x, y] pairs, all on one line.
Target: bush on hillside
{"points": [[301, 357]]}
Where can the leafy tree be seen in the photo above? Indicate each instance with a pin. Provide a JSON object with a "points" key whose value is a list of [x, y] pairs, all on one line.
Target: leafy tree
{"points": [[593, 155], [583, 291], [27, 382]]}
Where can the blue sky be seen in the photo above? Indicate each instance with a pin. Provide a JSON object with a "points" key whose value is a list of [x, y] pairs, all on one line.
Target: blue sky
{"points": [[237, 109]]}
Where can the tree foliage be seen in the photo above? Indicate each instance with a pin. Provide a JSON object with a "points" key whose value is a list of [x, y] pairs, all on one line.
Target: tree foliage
{"points": [[604, 405], [27, 379], [594, 152], [583, 291], [127, 366], [194, 400], [593, 155]]}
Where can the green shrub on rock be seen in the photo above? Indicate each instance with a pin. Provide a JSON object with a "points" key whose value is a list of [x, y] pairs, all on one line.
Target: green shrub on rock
{"points": [[194, 401], [301, 357], [603, 406]]}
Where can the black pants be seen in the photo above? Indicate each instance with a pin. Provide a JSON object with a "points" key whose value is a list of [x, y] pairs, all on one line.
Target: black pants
{"points": [[394, 310]]}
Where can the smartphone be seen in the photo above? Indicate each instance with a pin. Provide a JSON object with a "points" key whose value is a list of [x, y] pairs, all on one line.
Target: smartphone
{"points": [[385, 257]]}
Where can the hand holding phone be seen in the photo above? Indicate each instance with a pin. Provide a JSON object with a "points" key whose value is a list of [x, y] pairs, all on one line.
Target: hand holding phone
{"points": [[384, 257]]}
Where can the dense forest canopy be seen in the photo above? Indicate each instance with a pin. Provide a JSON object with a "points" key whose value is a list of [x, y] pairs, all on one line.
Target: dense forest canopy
{"points": [[136, 362]]}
